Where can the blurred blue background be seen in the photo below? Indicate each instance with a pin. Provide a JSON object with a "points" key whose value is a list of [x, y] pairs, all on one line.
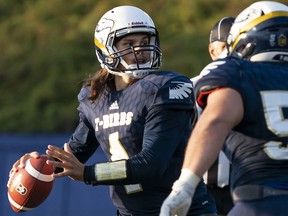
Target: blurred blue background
{"points": [[68, 197]]}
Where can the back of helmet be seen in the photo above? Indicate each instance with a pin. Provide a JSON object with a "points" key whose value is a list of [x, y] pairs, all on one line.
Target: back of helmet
{"points": [[260, 33]]}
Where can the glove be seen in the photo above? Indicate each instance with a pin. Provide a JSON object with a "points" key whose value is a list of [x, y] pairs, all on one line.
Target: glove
{"points": [[179, 200]]}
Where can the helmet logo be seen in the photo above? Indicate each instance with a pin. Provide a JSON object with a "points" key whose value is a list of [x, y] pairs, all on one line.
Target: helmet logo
{"points": [[282, 40], [248, 15], [103, 29], [104, 24]]}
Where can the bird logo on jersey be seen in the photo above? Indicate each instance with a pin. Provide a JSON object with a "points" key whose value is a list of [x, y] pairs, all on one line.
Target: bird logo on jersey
{"points": [[180, 90]]}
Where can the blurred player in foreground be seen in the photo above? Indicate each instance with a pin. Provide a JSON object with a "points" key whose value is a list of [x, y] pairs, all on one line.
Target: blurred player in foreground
{"points": [[246, 92], [218, 176], [141, 118]]}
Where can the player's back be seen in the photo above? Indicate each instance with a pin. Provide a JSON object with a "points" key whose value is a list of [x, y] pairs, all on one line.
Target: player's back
{"points": [[258, 147]]}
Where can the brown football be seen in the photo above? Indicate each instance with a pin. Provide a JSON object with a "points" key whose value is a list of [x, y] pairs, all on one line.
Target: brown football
{"points": [[31, 185]]}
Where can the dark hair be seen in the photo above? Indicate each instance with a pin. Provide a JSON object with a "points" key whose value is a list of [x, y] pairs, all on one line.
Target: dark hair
{"points": [[100, 81]]}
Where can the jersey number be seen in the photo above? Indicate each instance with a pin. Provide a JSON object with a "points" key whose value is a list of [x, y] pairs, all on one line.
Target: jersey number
{"points": [[118, 152], [273, 102]]}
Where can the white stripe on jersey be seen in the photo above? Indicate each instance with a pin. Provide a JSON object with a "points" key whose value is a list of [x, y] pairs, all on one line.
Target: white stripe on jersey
{"points": [[223, 170]]}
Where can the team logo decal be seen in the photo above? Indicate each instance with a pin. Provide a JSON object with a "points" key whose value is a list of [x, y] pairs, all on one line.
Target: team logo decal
{"points": [[21, 189], [181, 90], [282, 40], [103, 28], [105, 24]]}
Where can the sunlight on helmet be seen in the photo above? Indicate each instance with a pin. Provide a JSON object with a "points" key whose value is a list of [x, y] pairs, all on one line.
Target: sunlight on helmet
{"points": [[260, 33]]}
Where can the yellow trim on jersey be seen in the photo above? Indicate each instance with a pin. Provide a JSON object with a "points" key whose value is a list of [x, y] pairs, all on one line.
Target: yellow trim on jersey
{"points": [[256, 21]]}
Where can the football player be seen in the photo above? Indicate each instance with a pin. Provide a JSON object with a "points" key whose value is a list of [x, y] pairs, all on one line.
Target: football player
{"points": [[140, 117], [218, 176], [247, 92]]}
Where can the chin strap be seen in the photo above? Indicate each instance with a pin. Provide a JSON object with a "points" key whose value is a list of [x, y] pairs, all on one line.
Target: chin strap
{"points": [[135, 74]]}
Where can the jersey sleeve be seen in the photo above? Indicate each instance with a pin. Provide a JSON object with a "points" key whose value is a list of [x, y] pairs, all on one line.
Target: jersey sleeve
{"points": [[219, 74], [83, 142]]}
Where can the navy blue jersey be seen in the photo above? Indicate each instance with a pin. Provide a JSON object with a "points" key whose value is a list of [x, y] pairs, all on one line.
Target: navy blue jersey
{"points": [[257, 147], [149, 124], [218, 175]]}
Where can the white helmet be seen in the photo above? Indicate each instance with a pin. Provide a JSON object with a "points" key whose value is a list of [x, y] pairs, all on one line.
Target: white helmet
{"points": [[260, 33], [118, 23]]}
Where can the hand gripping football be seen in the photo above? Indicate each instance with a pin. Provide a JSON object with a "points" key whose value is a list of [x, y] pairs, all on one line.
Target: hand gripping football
{"points": [[31, 185]]}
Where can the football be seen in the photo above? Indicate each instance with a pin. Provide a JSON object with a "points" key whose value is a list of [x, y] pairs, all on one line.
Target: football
{"points": [[31, 185]]}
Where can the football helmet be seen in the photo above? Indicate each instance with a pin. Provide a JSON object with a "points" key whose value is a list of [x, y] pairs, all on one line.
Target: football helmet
{"points": [[260, 33], [118, 23]]}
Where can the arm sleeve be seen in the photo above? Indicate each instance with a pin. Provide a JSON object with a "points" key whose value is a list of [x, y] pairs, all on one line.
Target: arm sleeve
{"points": [[83, 142]]}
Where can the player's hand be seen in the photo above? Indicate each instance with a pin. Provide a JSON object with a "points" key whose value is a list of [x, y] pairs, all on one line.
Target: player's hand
{"points": [[21, 162], [71, 166], [179, 200]]}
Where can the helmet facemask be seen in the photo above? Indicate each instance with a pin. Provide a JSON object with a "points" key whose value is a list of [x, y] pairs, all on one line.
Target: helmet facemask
{"points": [[148, 61]]}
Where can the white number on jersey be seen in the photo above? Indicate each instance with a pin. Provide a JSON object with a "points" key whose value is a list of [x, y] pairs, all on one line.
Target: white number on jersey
{"points": [[273, 102], [118, 152]]}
